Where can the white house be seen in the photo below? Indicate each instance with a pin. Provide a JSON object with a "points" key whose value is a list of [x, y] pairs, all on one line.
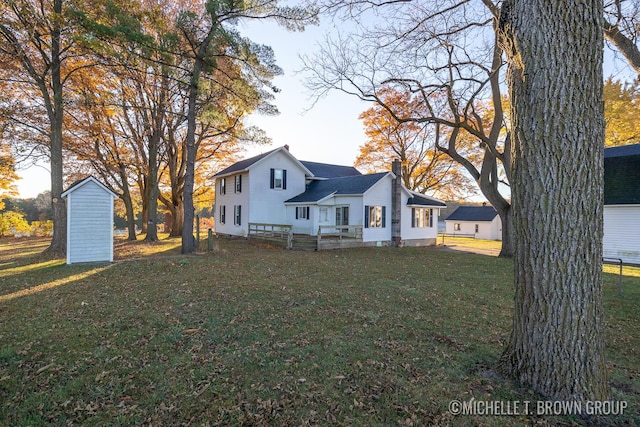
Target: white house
{"points": [[89, 221], [276, 188], [480, 222], [622, 203]]}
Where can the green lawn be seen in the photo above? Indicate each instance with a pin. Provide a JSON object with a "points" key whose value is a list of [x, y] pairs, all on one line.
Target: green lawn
{"points": [[256, 336]]}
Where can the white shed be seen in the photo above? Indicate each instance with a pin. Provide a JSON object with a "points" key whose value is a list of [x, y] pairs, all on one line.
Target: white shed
{"points": [[481, 222], [89, 221]]}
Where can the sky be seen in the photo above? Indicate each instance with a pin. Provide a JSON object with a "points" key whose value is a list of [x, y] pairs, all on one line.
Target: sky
{"points": [[328, 131]]}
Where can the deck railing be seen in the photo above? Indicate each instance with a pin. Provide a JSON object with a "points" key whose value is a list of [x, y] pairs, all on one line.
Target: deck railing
{"points": [[278, 231], [340, 231]]}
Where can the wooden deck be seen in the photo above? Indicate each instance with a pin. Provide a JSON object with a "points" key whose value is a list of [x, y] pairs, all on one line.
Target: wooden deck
{"points": [[328, 237]]}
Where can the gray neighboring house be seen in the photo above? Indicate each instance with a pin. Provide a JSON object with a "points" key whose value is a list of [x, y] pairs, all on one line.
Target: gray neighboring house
{"points": [[622, 203], [481, 222]]}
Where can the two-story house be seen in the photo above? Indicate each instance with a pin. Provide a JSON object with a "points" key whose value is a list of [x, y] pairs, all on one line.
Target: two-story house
{"points": [[277, 188]]}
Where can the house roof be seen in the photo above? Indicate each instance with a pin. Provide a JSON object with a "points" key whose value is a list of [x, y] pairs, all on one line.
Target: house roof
{"points": [[243, 164], [79, 183], [473, 213], [324, 170], [318, 190], [422, 200], [622, 151], [622, 175]]}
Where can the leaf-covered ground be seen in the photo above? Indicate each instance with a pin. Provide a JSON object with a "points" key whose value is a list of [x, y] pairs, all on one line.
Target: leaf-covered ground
{"points": [[249, 335]]}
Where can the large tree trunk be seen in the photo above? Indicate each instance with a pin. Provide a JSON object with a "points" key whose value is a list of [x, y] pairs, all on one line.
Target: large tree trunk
{"points": [[554, 52], [152, 190], [59, 242], [189, 243], [178, 219], [508, 239], [188, 239], [128, 205], [151, 184]]}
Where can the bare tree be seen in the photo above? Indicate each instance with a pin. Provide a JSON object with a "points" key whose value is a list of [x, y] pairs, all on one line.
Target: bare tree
{"points": [[452, 54], [424, 48]]}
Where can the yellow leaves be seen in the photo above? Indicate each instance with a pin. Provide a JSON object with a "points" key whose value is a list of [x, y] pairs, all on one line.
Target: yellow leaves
{"points": [[621, 112]]}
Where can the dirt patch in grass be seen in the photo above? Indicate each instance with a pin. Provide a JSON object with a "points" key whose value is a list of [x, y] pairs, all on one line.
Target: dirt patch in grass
{"points": [[254, 336]]}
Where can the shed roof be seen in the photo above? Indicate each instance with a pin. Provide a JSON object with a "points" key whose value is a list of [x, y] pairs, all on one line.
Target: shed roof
{"points": [[325, 170], [79, 183], [473, 213], [622, 151], [622, 175], [349, 185]]}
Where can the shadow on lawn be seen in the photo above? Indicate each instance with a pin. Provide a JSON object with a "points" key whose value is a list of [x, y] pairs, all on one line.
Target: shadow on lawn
{"points": [[25, 269]]}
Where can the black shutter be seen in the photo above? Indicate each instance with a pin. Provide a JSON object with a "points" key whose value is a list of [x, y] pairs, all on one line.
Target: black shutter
{"points": [[430, 217], [366, 217], [413, 217], [239, 214], [296, 212], [384, 216], [272, 180], [284, 179], [308, 212]]}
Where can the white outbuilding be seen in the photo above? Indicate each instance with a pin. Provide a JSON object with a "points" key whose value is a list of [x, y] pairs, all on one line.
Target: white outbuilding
{"points": [[622, 203], [89, 221], [480, 222]]}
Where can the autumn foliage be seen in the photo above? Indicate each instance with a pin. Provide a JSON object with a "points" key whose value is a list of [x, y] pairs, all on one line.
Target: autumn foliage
{"points": [[424, 168]]}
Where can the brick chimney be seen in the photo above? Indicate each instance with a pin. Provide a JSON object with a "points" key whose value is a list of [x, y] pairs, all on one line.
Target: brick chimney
{"points": [[396, 203], [286, 147]]}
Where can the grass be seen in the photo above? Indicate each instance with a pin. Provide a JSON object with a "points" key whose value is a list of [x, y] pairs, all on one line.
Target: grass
{"points": [[254, 336]]}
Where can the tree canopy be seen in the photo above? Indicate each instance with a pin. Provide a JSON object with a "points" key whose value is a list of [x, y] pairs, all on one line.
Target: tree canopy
{"points": [[424, 168]]}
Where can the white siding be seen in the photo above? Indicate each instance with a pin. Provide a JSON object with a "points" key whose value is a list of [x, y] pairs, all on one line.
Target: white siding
{"points": [[303, 226], [90, 224], [378, 195], [486, 230], [229, 200], [417, 233], [622, 233], [267, 204]]}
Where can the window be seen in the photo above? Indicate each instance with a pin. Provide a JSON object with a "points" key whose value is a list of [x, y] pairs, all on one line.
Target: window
{"points": [[223, 185], [421, 217], [477, 228], [237, 215], [302, 212], [342, 215], [375, 216], [223, 214], [324, 215], [278, 179], [238, 183], [456, 226]]}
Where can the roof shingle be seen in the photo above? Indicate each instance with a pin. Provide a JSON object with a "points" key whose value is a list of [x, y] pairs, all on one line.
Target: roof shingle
{"points": [[318, 190], [473, 213], [324, 170]]}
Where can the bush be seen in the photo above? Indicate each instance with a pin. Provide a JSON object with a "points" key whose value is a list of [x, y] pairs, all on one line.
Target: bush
{"points": [[13, 224], [42, 228]]}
